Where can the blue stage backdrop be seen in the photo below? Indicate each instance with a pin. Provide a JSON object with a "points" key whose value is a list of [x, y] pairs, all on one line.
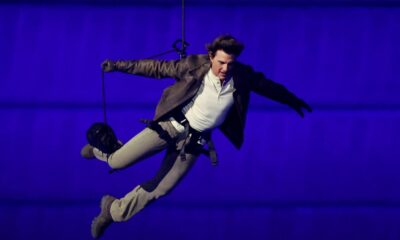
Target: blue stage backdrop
{"points": [[332, 175]]}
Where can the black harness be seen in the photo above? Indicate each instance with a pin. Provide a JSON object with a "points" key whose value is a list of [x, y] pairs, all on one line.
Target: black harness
{"points": [[194, 140]]}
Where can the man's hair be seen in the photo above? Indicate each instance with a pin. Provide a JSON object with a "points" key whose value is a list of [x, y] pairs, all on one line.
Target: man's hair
{"points": [[227, 43]]}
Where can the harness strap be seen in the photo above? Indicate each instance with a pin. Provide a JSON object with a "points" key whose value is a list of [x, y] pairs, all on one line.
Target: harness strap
{"points": [[191, 141]]}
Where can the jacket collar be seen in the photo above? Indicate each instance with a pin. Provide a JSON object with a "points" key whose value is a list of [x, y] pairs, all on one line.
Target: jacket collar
{"points": [[200, 71]]}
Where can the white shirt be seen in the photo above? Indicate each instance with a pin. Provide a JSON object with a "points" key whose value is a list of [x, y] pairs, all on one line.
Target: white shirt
{"points": [[208, 109]]}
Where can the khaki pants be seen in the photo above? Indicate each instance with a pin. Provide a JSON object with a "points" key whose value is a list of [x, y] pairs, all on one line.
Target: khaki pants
{"points": [[143, 145]]}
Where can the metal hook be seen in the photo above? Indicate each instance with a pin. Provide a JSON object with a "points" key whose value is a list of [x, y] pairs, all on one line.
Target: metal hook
{"points": [[182, 50]]}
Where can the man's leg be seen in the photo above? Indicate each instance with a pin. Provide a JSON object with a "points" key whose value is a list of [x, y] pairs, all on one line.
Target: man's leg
{"points": [[117, 210], [143, 145], [172, 170]]}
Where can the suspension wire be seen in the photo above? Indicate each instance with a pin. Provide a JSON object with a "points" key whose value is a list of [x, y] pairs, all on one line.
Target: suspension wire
{"points": [[103, 89], [183, 44], [161, 54], [183, 52], [175, 48]]}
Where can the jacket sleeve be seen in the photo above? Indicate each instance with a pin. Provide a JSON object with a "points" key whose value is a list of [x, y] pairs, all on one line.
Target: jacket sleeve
{"points": [[151, 68], [275, 91]]}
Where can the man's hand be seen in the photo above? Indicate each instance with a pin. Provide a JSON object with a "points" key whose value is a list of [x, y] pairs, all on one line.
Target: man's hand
{"points": [[108, 66], [299, 104]]}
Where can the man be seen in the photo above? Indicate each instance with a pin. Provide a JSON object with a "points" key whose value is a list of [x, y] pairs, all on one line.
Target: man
{"points": [[211, 91]]}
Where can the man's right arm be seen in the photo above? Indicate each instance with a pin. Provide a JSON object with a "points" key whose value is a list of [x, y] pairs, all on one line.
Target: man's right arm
{"points": [[148, 68]]}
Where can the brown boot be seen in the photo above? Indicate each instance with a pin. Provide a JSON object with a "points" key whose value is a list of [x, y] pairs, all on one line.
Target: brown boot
{"points": [[87, 151], [104, 219]]}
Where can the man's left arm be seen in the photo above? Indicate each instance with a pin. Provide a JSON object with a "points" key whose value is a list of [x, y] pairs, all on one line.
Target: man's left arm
{"points": [[275, 91]]}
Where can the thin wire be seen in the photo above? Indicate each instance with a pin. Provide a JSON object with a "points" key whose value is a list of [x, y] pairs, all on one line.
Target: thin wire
{"points": [[161, 54], [183, 53], [104, 96]]}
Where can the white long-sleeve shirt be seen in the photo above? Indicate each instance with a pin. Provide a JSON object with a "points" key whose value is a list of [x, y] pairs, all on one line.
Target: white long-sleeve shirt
{"points": [[210, 106]]}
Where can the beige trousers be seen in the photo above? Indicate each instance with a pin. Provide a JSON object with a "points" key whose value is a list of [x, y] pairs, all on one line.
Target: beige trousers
{"points": [[141, 146]]}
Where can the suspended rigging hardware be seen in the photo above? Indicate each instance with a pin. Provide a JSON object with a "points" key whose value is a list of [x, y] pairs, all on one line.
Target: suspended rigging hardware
{"points": [[101, 135], [178, 46]]}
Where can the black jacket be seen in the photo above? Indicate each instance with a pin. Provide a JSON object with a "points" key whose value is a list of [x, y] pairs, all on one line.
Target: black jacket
{"points": [[189, 74]]}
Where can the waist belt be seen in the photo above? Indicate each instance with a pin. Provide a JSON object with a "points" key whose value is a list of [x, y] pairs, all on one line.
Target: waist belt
{"points": [[194, 139], [180, 118]]}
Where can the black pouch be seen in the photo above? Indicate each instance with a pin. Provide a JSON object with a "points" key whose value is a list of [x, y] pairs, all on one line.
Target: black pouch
{"points": [[102, 137]]}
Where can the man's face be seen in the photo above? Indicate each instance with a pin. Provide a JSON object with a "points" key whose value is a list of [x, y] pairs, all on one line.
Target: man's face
{"points": [[222, 64]]}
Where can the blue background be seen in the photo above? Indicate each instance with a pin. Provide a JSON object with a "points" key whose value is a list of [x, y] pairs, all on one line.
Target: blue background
{"points": [[332, 175]]}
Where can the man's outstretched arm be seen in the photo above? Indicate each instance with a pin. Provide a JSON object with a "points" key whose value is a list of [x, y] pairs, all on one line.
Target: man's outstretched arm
{"points": [[275, 91], [148, 68]]}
